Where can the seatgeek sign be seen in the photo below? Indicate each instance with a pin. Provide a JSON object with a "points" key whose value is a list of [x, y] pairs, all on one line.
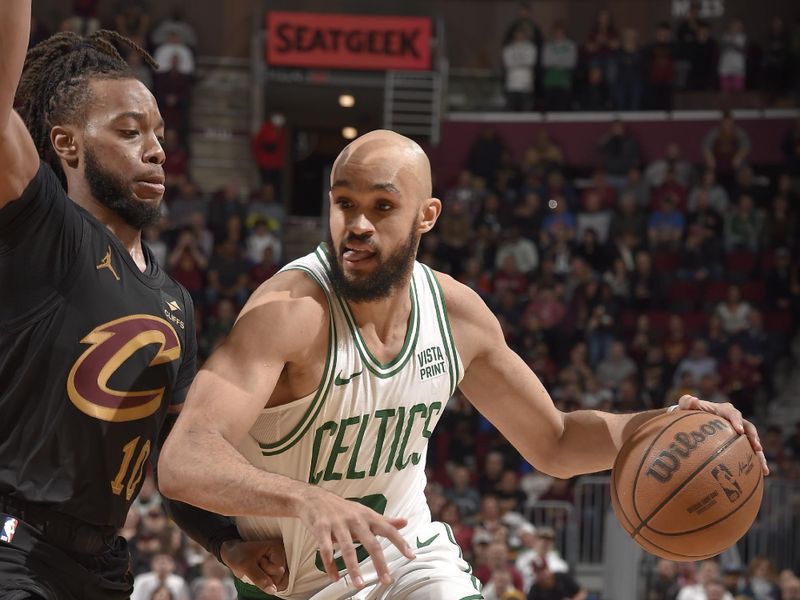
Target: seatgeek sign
{"points": [[339, 41]]}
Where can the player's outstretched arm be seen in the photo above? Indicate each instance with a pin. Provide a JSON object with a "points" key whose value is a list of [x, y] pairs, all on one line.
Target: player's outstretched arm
{"points": [[502, 387], [18, 155], [284, 323]]}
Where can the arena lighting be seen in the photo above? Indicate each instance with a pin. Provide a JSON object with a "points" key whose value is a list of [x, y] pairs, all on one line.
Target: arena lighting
{"points": [[552, 203], [349, 133], [347, 101]]}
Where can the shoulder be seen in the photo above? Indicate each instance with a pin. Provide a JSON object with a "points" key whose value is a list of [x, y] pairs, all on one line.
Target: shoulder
{"points": [[290, 308]]}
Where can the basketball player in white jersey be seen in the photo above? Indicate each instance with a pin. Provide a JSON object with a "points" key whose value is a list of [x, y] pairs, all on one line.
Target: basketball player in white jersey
{"points": [[311, 421]]}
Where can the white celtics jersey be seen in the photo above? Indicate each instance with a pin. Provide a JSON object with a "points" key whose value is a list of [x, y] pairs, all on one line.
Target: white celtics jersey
{"points": [[364, 433]]}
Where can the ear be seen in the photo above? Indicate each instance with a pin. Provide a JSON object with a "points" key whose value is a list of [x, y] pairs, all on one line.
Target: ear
{"points": [[430, 211], [64, 139]]}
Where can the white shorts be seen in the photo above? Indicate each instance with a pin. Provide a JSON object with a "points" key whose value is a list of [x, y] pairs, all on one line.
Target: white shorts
{"points": [[439, 572]]}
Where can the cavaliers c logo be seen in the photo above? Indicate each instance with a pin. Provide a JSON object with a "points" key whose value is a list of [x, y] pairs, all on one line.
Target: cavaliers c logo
{"points": [[111, 345]]}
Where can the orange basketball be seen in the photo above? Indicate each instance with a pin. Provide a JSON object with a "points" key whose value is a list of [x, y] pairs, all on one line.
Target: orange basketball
{"points": [[686, 486]]}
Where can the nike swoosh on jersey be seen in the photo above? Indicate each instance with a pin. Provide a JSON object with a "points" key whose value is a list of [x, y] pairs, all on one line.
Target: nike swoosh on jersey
{"points": [[426, 542], [345, 380]]}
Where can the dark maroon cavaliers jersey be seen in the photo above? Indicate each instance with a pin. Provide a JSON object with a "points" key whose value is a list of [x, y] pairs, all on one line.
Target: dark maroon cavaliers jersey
{"points": [[92, 354]]}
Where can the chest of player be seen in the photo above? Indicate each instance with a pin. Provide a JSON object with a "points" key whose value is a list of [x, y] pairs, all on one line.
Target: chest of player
{"points": [[123, 334]]}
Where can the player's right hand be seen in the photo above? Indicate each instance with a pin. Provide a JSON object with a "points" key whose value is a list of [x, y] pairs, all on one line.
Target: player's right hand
{"points": [[335, 521], [261, 563]]}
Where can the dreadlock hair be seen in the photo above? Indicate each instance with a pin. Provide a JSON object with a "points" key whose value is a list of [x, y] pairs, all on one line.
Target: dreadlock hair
{"points": [[54, 88]]}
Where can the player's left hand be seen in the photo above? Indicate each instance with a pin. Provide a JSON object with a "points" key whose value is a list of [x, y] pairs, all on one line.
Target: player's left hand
{"points": [[728, 411], [262, 563]]}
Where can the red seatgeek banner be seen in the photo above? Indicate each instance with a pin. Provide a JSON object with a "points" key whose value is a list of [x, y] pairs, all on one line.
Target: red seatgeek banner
{"points": [[338, 41]]}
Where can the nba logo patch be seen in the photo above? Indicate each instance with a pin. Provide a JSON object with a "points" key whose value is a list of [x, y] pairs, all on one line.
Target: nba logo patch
{"points": [[9, 528]]}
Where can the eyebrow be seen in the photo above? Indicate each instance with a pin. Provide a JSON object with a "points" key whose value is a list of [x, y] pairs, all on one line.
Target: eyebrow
{"points": [[138, 116], [386, 187]]}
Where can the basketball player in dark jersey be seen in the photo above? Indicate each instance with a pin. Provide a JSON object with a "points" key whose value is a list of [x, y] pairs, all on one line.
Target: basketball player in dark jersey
{"points": [[97, 343]]}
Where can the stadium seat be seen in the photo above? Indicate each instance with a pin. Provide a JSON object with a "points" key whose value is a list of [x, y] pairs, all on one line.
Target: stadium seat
{"points": [[741, 265], [754, 292], [715, 292], [696, 323], [659, 320], [665, 262], [684, 295], [778, 320]]}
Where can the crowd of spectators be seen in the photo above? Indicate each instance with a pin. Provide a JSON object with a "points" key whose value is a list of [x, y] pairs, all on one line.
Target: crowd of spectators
{"points": [[624, 68]]}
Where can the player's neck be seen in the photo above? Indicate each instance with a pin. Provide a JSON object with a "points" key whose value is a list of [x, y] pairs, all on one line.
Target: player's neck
{"points": [[385, 317], [130, 237]]}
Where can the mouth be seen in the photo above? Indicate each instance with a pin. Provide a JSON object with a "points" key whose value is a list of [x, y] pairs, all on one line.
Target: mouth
{"points": [[152, 186], [357, 254]]}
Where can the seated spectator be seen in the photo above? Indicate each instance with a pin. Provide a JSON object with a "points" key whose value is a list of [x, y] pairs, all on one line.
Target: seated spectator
{"points": [[211, 589], [548, 308], [264, 204], [132, 20], [82, 21], [740, 379], [490, 476], [734, 313], [715, 195], [227, 275], [451, 514], [629, 84], [177, 163], [725, 149], [263, 269], [704, 60], [214, 575], [259, 239], [783, 281], [716, 338], [761, 581], [697, 364], [670, 187], [715, 590], [637, 185], [162, 573], [461, 491], [498, 559], [646, 287], [508, 278], [475, 278], [175, 23], [484, 154], [553, 586], [666, 225], [708, 389], [558, 188], [616, 277], [550, 153], [708, 572], [676, 341], [559, 58], [627, 219], [747, 183], [153, 239], [616, 367], [187, 263], [173, 90], [465, 193], [620, 153], [526, 256], [656, 172], [592, 249], [528, 215], [596, 94], [501, 587], [733, 58], [202, 235], [175, 54], [744, 226], [774, 451], [700, 258], [218, 326], [780, 227], [790, 588], [793, 442], [704, 215], [560, 219], [663, 584], [660, 68], [519, 62]]}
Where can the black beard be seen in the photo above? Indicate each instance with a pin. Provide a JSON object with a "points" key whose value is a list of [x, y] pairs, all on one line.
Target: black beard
{"points": [[379, 284], [111, 191]]}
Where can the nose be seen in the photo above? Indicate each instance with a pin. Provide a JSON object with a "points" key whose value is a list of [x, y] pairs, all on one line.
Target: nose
{"points": [[154, 152], [359, 224]]}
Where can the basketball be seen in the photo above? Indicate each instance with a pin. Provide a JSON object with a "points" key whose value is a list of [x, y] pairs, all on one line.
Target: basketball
{"points": [[686, 485]]}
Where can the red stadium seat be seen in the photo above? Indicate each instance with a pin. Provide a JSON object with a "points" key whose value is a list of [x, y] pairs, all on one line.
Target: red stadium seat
{"points": [[741, 262], [684, 295], [659, 319], [696, 323], [665, 262], [715, 292], [754, 292], [778, 320]]}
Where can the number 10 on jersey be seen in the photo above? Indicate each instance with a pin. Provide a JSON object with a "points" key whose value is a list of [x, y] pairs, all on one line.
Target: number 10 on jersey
{"points": [[136, 474]]}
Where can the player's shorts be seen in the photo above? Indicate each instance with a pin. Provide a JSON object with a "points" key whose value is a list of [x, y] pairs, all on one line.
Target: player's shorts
{"points": [[438, 572], [32, 567]]}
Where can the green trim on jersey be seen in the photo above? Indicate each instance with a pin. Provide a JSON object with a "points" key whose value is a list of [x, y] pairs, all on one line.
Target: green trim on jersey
{"points": [[444, 328], [246, 591], [449, 329], [382, 370], [299, 430]]}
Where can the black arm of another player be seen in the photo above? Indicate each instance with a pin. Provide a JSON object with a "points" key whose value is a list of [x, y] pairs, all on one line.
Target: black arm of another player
{"points": [[17, 151], [262, 562]]}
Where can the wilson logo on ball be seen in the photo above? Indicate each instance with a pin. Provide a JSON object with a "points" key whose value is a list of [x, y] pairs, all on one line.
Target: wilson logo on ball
{"points": [[684, 443]]}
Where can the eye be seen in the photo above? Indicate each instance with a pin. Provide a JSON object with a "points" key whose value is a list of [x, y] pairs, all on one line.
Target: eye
{"points": [[343, 203], [384, 206], [129, 133]]}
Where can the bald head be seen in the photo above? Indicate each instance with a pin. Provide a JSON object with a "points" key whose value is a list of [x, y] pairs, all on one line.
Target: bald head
{"points": [[397, 164]]}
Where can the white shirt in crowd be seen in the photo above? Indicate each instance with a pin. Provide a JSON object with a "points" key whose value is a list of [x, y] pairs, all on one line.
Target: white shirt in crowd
{"points": [[145, 584], [519, 59]]}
